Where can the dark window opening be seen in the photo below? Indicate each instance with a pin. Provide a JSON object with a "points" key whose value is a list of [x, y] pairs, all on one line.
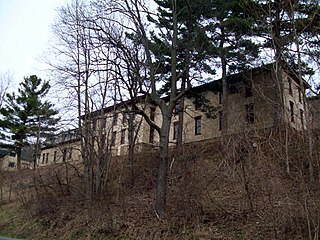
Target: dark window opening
{"points": [[123, 136], [11, 164], [300, 95], [12, 154], [151, 135], [290, 85], [178, 108], [302, 118], [70, 153], [55, 156], [64, 156], [124, 117], [113, 138], [47, 158], [197, 125], [220, 120], [250, 113], [43, 158], [292, 111], [115, 119], [152, 113], [175, 130]]}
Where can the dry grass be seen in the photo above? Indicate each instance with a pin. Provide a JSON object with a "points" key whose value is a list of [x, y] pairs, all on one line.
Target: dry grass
{"points": [[240, 191]]}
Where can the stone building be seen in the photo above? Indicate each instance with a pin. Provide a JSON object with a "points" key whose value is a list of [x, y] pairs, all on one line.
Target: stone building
{"points": [[65, 147], [258, 99]]}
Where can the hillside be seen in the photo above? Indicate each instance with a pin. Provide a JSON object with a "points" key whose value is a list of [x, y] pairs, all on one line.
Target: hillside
{"points": [[240, 191]]}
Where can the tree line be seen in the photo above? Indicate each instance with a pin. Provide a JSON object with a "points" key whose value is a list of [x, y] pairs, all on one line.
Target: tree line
{"points": [[108, 52]]}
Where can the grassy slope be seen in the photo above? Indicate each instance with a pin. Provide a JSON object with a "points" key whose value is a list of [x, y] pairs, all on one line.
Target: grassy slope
{"points": [[244, 193]]}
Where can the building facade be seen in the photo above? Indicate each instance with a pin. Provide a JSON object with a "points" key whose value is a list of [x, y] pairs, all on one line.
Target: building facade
{"points": [[257, 99]]}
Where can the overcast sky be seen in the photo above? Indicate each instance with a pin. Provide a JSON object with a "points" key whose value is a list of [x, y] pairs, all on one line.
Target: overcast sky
{"points": [[24, 35]]}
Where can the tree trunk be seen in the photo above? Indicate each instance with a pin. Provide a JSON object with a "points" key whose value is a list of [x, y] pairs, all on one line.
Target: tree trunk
{"points": [[18, 159], [131, 146], [161, 190]]}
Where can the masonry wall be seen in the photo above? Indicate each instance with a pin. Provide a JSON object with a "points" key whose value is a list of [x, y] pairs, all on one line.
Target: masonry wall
{"points": [[250, 107], [67, 152]]}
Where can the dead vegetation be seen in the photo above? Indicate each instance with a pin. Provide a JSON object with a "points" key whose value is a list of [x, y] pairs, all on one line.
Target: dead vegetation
{"points": [[240, 191]]}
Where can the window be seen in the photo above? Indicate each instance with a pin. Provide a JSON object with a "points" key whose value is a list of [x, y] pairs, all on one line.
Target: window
{"points": [[248, 89], [124, 117], [291, 111], [250, 113], [178, 108], [123, 136], [302, 118], [115, 119], [220, 97], [152, 113], [47, 158], [300, 97], [175, 130], [70, 153], [290, 85], [11, 164], [55, 156], [113, 138], [12, 154], [64, 155], [43, 158], [220, 120], [197, 125], [151, 135]]}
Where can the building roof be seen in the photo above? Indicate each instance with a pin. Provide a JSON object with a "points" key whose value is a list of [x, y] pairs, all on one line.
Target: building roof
{"points": [[215, 85]]}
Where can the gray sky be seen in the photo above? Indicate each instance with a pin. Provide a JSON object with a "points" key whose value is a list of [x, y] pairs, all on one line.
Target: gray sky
{"points": [[24, 35]]}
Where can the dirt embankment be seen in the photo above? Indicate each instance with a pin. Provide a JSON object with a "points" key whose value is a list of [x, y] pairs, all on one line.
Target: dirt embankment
{"points": [[240, 191]]}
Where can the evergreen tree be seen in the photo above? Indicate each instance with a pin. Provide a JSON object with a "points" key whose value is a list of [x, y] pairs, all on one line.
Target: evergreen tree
{"points": [[26, 116], [229, 26], [290, 29], [192, 48]]}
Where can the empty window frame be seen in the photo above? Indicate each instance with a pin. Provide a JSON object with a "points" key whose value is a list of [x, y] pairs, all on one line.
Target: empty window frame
{"points": [[291, 111], [124, 117], [290, 85], [220, 120], [302, 118], [64, 155], [113, 138], [151, 135], [178, 107], [175, 130], [55, 156], [43, 157], [123, 136], [70, 153], [300, 95], [11, 164], [250, 113], [115, 119], [47, 158], [152, 113], [197, 125]]}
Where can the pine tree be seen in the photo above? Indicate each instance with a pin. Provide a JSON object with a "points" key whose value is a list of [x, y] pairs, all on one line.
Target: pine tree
{"points": [[192, 47], [26, 116]]}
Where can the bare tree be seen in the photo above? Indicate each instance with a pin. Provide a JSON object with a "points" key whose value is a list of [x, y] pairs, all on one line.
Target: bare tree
{"points": [[86, 83], [5, 81]]}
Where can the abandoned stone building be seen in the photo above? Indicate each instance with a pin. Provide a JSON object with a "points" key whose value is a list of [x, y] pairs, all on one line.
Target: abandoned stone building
{"points": [[257, 99]]}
